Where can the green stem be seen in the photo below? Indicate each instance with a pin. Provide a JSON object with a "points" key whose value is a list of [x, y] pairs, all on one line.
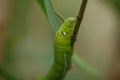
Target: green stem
{"points": [[83, 65]]}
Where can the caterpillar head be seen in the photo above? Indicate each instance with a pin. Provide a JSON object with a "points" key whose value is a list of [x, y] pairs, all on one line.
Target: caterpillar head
{"points": [[69, 21], [64, 32]]}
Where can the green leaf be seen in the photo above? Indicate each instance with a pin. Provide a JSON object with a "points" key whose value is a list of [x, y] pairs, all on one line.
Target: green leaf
{"points": [[41, 2], [46, 5]]}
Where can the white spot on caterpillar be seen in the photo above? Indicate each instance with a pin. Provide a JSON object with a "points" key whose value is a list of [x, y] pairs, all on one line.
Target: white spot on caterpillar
{"points": [[64, 33]]}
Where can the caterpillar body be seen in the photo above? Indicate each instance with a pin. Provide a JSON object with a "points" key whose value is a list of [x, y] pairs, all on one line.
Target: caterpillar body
{"points": [[62, 51]]}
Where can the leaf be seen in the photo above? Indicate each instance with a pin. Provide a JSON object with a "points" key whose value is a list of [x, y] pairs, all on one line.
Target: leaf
{"points": [[41, 2], [46, 5]]}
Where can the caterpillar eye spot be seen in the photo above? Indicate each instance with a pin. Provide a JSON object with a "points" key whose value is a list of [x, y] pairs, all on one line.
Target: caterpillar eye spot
{"points": [[64, 33]]}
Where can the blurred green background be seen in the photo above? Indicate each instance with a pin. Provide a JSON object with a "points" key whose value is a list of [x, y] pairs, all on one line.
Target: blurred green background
{"points": [[28, 37]]}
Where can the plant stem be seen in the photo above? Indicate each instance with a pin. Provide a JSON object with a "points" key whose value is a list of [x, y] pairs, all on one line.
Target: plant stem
{"points": [[78, 22]]}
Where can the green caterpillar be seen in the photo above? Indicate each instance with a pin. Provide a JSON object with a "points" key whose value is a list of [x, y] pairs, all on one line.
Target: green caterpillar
{"points": [[62, 51]]}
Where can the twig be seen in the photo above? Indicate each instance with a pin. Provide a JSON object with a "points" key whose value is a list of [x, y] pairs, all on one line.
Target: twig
{"points": [[78, 22]]}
